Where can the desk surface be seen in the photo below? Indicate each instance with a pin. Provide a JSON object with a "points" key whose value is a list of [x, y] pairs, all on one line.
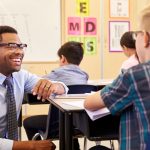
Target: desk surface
{"points": [[65, 107]]}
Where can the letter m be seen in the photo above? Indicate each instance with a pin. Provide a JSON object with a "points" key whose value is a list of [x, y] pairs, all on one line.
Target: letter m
{"points": [[74, 25]]}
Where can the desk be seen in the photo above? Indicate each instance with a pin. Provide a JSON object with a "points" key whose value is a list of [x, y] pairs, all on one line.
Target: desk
{"points": [[66, 123]]}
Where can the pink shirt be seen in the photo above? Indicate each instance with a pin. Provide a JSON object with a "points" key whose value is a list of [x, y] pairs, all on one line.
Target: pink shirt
{"points": [[130, 62]]}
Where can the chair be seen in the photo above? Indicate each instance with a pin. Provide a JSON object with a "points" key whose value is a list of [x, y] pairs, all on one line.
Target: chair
{"points": [[20, 120], [28, 99], [53, 115], [87, 127], [83, 88], [105, 128]]}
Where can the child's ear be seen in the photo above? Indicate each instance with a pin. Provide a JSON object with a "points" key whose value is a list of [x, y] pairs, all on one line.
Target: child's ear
{"points": [[63, 59], [146, 39], [124, 47]]}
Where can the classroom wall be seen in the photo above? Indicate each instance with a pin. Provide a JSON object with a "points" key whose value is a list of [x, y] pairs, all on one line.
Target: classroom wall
{"points": [[103, 64]]}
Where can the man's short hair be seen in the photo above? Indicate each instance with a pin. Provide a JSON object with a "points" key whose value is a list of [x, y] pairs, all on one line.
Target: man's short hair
{"points": [[73, 51], [7, 29]]}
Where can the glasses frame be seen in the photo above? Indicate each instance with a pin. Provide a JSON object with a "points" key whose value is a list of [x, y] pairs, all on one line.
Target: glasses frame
{"points": [[13, 45]]}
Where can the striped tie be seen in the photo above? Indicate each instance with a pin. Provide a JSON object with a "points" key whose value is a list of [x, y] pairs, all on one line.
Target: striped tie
{"points": [[11, 111]]}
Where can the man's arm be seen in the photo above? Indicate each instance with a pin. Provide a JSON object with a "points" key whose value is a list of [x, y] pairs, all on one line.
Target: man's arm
{"points": [[33, 145], [6, 144], [44, 88], [94, 102]]}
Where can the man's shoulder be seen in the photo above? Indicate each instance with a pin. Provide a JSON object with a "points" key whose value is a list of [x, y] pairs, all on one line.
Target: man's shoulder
{"points": [[21, 72], [24, 74]]}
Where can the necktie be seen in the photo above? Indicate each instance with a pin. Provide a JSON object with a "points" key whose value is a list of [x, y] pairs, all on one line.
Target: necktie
{"points": [[11, 111]]}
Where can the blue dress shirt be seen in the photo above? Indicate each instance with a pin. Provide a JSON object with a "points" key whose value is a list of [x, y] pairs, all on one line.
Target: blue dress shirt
{"points": [[23, 82]]}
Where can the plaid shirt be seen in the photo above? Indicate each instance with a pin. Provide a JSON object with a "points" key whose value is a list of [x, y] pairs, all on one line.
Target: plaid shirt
{"points": [[129, 96]]}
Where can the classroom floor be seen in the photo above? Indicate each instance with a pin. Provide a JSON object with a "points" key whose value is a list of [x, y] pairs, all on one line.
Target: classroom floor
{"points": [[81, 140]]}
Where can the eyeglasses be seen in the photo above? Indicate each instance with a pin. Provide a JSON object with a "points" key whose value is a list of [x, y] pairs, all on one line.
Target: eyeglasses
{"points": [[13, 46]]}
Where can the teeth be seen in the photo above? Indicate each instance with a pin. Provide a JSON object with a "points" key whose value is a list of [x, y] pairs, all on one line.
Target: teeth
{"points": [[17, 59]]}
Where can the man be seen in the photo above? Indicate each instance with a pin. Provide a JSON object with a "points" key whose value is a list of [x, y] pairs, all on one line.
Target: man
{"points": [[20, 81], [129, 94], [70, 56]]}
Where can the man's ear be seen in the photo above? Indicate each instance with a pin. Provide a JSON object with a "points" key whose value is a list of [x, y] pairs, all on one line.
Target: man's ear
{"points": [[146, 39]]}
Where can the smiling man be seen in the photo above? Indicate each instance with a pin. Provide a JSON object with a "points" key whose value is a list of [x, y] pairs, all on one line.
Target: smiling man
{"points": [[14, 82]]}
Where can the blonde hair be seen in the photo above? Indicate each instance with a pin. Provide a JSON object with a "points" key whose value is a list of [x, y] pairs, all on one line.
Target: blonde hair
{"points": [[145, 19]]}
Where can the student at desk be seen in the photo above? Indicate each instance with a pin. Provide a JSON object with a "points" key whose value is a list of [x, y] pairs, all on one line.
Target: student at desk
{"points": [[132, 88], [127, 43], [70, 56], [14, 82]]}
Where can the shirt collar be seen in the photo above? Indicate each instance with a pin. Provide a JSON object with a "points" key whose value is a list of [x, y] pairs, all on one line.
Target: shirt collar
{"points": [[2, 78]]}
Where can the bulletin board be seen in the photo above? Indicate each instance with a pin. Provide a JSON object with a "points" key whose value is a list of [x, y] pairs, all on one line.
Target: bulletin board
{"points": [[38, 25]]}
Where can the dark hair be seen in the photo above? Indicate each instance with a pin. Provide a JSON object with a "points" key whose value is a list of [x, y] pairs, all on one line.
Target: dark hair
{"points": [[6, 29], [127, 40], [73, 51]]}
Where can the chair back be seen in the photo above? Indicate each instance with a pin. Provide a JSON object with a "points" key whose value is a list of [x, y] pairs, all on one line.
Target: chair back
{"points": [[105, 128], [32, 99], [83, 88]]}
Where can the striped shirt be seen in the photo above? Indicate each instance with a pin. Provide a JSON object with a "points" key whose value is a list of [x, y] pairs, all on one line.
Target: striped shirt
{"points": [[129, 96]]}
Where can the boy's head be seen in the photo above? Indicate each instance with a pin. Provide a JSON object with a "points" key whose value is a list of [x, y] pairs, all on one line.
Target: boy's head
{"points": [[71, 53], [143, 36]]}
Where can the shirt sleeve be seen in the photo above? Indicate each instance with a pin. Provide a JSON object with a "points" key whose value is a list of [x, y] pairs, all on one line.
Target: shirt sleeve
{"points": [[6, 144], [65, 87], [32, 79], [118, 95]]}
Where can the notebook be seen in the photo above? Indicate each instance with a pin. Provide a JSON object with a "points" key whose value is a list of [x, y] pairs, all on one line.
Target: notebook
{"points": [[72, 96], [92, 114]]}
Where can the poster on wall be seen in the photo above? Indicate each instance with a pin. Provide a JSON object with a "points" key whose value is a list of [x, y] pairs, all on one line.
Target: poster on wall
{"points": [[116, 29], [119, 8]]}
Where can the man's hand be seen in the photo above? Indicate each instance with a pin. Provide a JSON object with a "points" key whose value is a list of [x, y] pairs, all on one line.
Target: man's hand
{"points": [[44, 88], [34, 145]]}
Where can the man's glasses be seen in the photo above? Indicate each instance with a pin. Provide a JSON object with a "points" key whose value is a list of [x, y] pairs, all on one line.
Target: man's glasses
{"points": [[13, 46]]}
